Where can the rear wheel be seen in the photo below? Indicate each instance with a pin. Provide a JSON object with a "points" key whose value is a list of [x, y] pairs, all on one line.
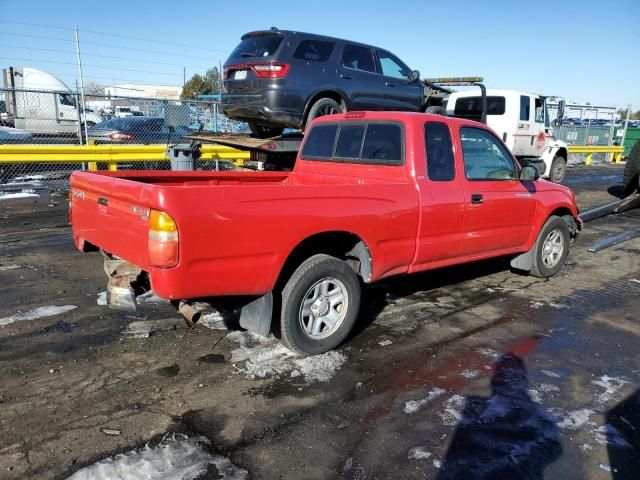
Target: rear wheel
{"points": [[632, 171], [320, 303], [551, 248], [261, 131], [558, 169], [322, 107]]}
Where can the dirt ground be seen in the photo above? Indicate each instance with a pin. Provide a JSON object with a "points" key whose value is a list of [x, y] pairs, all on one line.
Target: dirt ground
{"points": [[469, 372]]}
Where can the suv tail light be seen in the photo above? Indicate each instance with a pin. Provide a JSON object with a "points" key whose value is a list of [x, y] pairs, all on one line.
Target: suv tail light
{"points": [[163, 240], [261, 70], [120, 136]]}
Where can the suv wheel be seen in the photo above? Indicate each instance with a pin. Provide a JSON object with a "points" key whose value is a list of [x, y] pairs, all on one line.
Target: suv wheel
{"points": [[320, 303], [322, 107], [551, 248], [261, 131]]}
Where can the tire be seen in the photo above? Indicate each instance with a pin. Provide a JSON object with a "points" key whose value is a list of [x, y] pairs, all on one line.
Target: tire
{"points": [[558, 169], [435, 110], [551, 248], [321, 280], [261, 131], [322, 107], [632, 171]]}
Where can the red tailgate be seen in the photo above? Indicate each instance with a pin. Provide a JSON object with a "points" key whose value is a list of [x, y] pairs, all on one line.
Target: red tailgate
{"points": [[112, 213]]}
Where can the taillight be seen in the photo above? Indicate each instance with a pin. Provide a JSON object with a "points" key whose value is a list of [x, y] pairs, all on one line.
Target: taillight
{"points": [[261, 70], [163, 240], [120, 136]]}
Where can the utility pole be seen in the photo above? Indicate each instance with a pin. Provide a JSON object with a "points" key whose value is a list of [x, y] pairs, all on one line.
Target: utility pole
{"points": [[86, 135]]}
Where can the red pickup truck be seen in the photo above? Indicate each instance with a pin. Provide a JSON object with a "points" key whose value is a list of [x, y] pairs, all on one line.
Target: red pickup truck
{"points": [[372, 194]]}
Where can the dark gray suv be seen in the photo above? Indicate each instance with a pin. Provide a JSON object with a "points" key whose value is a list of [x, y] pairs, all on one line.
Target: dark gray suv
{"points": [[278, 78]]}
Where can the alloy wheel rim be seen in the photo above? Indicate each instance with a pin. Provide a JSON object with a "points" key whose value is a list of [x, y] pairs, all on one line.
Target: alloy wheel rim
{"points": [[552, 248], [323, 308]]}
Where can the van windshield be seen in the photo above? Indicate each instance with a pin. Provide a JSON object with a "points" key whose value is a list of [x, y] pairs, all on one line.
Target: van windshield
{"points": [[257, 45]]}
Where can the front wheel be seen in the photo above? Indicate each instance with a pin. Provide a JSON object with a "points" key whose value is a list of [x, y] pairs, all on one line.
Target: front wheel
{"points": [[320, 303], [551, 248], [558, 169]]}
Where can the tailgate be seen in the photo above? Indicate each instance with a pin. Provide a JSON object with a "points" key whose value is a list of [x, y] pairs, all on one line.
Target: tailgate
{"points": [[111, 213]]}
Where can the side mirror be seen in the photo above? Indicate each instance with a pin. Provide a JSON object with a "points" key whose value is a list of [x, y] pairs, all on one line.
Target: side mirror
{"points": [[415, 75], [529, 172]]}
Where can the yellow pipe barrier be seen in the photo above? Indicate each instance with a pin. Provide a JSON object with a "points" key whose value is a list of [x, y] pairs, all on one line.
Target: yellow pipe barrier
{"points": [[111, 154], [615, 151]]}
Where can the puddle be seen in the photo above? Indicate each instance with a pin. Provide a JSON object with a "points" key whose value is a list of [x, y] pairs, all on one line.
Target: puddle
{"points": [[212, 358]]}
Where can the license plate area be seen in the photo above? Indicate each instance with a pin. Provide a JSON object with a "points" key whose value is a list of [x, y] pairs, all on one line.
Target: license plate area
{"points": [[240, 75]]}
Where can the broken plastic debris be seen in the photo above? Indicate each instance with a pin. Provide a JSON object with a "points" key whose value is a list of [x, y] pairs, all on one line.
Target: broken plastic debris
{"points": [[608, 468], [419, 453], [112, 432], [384, 343]]}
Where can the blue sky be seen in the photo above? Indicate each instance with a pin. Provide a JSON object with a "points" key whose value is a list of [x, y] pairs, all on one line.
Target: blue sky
{"points": [[586, 51]]}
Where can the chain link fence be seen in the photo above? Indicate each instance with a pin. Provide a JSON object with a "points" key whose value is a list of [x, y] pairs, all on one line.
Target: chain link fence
{"points": [[29, 117]]}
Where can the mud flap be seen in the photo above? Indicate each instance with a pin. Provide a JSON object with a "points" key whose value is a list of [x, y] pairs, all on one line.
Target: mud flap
{"points": [[120, 293], [256, 315], [524, 261]]}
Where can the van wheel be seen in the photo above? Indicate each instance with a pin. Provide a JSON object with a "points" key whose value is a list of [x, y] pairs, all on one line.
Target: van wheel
{"points": [[261, 131], [558, 169], [551, 248], [632, 171], [322, 107], [320, 303]]}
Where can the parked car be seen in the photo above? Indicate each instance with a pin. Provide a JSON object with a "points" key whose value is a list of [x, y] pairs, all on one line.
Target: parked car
{"points": [[278, 78], [372, 194], [134, 129], [14, 135]]}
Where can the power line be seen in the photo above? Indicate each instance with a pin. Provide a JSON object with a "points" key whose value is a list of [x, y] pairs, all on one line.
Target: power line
{"points": [[198, 67], [165, 53], [37, 24]]}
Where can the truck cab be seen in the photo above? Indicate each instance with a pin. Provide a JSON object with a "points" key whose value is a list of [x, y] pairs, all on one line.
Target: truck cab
{"points": [[522, 121]]}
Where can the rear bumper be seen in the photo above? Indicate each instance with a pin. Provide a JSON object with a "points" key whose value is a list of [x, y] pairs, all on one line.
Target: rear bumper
{"points": [[271, 108]]}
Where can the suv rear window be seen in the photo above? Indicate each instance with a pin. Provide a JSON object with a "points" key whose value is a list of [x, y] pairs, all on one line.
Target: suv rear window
{"points": [[372, 143], [257, 46], [314, 50], [472, 106]]}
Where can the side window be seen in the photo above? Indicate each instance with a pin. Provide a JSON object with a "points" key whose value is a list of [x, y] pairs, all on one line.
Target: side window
{"points": [[349, 141], [314, 50], [525, 108], [383, 142], [485, 158], [539, 110], [66, 99], [440, 161], [391, 66], [359, 58], [319, 141]]}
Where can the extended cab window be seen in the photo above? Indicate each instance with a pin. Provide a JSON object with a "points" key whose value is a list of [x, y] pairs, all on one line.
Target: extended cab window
{"points": [[485, 158], [440, 161], [374, 143], [359, 58], [314, 50], [319, 142], [392, 67], [525, 108], [471, 107]]}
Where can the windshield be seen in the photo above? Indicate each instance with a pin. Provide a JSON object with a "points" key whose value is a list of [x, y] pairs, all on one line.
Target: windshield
{"points": [[257, 45]]}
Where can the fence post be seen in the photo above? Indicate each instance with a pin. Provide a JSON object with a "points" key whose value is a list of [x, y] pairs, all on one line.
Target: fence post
{"points": [[588, 160]]}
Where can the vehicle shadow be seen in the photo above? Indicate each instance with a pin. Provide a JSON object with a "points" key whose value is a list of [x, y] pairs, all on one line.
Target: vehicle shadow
{"points": [[505, 436], [616, 191], [623, 438]]}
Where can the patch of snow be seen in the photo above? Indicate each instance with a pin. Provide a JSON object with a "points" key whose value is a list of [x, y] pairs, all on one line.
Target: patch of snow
{"points": [[9, 267], [634, 280], [550, 373], [489, 352], [412, 406], [102, 299], [175, 457], [452, 410], [384, 343], [266, 357], [470, 373], [576, 419], [214, 321], [36, 313], [419, 453], [536, 305], [13, 196], [437, 463], [611, 386]]}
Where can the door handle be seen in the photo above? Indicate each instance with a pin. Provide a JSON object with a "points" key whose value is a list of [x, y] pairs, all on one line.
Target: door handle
{"points": [[476, 198], [389, 84], [346, 77]]}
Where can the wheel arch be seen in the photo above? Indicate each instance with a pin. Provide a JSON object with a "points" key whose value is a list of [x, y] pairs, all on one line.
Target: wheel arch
{"points": [[333, 94], [338, 243]]}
